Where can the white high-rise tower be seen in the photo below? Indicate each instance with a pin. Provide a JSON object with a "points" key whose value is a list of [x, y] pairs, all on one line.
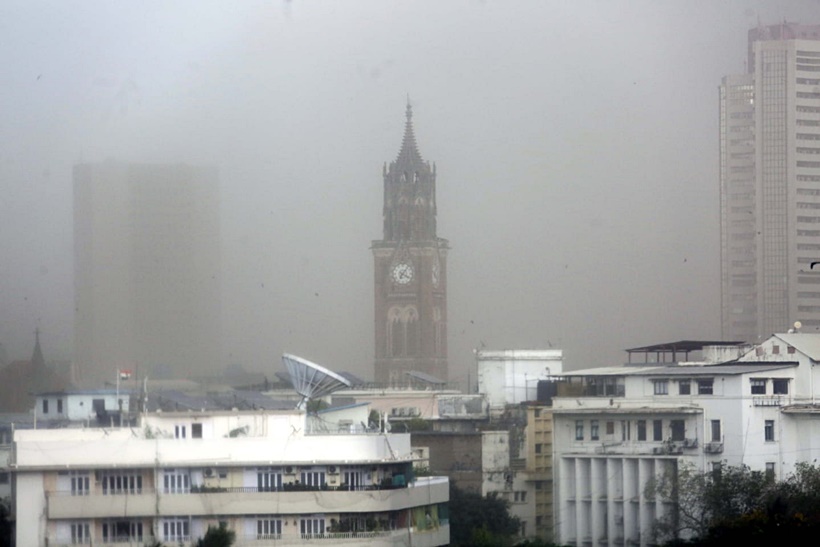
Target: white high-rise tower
{"points": [[770, 185]]}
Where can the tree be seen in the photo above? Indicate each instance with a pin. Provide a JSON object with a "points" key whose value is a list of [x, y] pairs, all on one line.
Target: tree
{"points": [[6, 527], [738, 505], [702, 500], [217, 537], [477, 520]]}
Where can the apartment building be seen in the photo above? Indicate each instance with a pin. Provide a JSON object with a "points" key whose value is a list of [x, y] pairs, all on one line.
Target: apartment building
{"points": [[272, 479], [616, 428]]}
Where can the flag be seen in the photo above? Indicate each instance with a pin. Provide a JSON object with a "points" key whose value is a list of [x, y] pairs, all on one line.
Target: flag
{"points": [[125, 374]]}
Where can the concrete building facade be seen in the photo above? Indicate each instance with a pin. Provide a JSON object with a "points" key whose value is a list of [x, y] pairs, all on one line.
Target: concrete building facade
{"points": [[147, 270], [262, 473], [618, 428], [770, 185]]}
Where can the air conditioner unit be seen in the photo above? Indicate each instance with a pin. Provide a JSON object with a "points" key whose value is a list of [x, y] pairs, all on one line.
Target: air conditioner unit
{"points": [[289, 470], [658, 450], [208, 472], [403, 411], [394, 411], [331, 469]]}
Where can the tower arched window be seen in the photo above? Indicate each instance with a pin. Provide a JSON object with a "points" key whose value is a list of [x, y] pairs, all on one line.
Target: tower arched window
{"points": [[403, 331]]}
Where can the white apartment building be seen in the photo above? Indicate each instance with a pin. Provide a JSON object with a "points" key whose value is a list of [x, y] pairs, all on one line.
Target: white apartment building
{"points": [[264, 473], [616, 428], [770, 185], [147, 270]]}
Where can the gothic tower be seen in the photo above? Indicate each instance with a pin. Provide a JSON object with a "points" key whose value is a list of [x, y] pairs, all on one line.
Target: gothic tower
{"points": [[410, 271]]}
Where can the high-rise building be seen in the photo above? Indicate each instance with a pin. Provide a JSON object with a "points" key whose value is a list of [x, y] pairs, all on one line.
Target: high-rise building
{"points": [[147, 270], [770, 185], [410, 271]]}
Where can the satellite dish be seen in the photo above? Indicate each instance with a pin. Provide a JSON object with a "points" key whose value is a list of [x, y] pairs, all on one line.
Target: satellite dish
{"points": [[797, 325], [311, 380]]}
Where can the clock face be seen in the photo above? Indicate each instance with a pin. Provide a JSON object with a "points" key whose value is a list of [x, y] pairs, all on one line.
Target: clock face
{"points": [[402, 273], [435, 275]]}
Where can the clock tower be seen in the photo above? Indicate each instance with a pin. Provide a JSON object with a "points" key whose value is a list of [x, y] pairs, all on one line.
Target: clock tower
{"points": [[410, 271]]}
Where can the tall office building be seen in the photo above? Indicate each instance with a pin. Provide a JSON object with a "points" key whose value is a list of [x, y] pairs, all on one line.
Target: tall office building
{"points": [[147, 270], [770, 185]]}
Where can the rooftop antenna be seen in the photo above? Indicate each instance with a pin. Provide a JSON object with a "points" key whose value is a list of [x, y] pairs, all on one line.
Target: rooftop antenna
{"points": [[311, 380]]}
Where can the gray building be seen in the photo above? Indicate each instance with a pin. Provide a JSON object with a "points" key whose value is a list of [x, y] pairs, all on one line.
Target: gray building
{"points": [[147, 270], [770, 185]]}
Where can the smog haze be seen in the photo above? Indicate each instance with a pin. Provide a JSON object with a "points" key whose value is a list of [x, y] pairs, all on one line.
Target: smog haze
{"points": [[576, 146]]}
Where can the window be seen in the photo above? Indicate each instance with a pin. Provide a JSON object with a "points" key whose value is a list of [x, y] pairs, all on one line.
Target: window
{"points": [[79, 483], [791, 349], [122, 531], [80, 532], [196, 431], [758, 386], [315, 479], [768, 431], [45, 406], [780, 386], [180, 431], [593, 430], [312, 526], [678, 428], [538, 448], [610, 428], [59, 406], [268, 479], [268, 529], [520, 496], [657, 430], [705, 387], [641, 430], [176, 481], [121, 482], [661, 387], [770, 471], [684, 387], [4, 478], [176, 529], [579, 430], [625, 430], [716, 436]]}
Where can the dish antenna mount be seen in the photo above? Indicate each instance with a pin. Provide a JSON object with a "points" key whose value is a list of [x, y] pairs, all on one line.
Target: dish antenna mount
{"points": [[310, 380]]}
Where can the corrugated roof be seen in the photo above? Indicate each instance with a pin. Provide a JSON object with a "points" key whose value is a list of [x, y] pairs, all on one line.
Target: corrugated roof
{"points": [[682, 346], [680, 370]]}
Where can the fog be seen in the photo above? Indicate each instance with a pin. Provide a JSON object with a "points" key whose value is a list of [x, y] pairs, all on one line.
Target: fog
{"points": [[576, 145]]}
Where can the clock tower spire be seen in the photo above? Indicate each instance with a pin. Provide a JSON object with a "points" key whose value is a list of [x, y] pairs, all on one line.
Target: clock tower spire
{"points": [[410, 271]]}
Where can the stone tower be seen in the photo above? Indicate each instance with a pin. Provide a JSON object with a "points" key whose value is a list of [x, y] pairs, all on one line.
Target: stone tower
{"points": [[410, 271]]}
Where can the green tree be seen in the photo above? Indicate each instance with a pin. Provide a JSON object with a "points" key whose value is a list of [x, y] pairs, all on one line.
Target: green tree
{"points": [[702, 500], [217, 537], [477, 520]]}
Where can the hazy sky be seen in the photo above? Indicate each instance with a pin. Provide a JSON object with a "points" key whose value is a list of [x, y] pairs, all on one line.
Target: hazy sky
{"points": [[576, 145]]}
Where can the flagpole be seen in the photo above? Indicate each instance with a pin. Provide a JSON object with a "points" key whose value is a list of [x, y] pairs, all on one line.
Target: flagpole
{"points": [[117, 400]]}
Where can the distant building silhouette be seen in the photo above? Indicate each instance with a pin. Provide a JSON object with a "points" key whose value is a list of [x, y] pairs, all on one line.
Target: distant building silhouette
{"points": [[147, 270], [410, 271], [21, 380]]}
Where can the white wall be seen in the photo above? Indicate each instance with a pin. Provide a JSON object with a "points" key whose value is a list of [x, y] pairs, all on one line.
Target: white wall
{"points": [[511, 376]]}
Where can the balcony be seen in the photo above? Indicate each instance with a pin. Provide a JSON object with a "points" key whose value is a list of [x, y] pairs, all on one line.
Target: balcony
{"points": [[245, 501], [387, 538], [713, 448]]}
